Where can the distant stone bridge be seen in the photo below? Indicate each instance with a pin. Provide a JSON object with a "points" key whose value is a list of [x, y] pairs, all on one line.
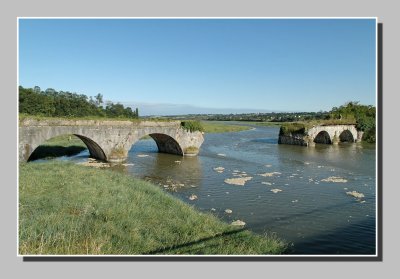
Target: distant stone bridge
{"points": [[109, 140], [328, 134]]}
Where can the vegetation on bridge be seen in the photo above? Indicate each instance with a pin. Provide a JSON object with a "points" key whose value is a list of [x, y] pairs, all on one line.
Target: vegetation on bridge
{"points": [[101, 212], [50, 103], [192, 126]]}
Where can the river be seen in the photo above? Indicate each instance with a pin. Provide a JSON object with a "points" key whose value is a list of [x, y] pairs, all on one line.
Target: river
{"points": [[316, 216]]}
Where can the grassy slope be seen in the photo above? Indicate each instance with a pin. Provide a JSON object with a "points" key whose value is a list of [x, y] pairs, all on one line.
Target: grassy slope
{"points": [[69, 209]]}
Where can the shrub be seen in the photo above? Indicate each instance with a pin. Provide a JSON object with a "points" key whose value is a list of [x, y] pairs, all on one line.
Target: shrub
{"points": [[192, 125], [292, 128]]}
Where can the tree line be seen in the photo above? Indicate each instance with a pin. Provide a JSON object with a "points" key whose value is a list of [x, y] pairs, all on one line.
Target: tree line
{"points": [[52, 103]]}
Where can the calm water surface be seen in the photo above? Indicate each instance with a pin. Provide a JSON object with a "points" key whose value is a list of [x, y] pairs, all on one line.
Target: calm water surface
{"points": [[317, 217]]}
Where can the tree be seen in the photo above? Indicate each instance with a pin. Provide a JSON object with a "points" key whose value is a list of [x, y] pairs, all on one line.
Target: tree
{"points": [[66, 104], [36, 89], [99, 99]]}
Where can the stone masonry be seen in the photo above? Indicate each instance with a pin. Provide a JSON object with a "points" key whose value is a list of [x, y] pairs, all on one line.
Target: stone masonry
{"points": [[109, 140], [330, 134]]}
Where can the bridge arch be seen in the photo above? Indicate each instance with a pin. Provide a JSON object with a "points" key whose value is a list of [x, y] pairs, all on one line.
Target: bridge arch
{"points": [[166, 144], [95, 150], [346, 136], [323, 137]]}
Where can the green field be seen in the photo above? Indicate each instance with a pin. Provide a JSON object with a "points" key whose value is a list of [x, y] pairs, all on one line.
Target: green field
{"points": [[220, 127], [67, 209]]}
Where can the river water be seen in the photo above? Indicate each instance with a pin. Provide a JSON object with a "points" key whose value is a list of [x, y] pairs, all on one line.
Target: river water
{"points": [[316, 216]]}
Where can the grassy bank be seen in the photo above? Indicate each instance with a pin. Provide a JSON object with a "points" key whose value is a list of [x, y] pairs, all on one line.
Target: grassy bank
{"points": [[220, 127], [70, 209]]}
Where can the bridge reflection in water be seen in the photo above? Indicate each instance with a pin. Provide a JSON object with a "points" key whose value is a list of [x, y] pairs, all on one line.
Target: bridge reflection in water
{"points": [[167, 170]]}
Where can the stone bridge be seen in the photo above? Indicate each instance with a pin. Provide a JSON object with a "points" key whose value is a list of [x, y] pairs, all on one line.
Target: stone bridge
{"points": [[328, 134], [109, 140], [333, 134]]}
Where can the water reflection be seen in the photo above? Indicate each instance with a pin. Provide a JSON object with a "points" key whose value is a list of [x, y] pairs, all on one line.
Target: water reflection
{"points": [[164, 169]]}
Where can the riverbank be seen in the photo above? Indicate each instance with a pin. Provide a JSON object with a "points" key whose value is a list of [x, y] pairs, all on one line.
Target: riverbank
{"points": [[221, 127], [66, 209]]}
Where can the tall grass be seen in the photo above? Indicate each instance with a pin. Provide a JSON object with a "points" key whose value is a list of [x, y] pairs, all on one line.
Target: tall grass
{"points": [[67, 209]]}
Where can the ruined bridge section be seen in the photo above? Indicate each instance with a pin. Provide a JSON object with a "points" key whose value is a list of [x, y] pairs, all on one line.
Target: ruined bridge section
{"points": [[333, 134], [109, 140], [328, 134]]}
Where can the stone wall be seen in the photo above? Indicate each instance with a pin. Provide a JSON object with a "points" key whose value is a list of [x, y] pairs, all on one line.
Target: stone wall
{"points": [[293, 139]]}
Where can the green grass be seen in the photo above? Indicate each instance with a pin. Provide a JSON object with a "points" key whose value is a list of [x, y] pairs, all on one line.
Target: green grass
{"points": [[218, 127], [67, 209]]}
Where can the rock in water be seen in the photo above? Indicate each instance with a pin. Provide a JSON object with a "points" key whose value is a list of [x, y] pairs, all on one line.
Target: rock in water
{"points": [[219, 169], [229, 211], [335, 179], [142, 155], [276, 190], [269, 174], [193, 197], [237, 181], [238, 223], [356, 194]]}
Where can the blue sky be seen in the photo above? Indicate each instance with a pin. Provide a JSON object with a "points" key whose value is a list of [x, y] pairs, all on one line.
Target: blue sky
{"points": [[207, 64]]}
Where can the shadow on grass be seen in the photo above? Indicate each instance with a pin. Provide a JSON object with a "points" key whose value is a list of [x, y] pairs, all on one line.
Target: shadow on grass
{"points": [[192, 243], [52, 151]]}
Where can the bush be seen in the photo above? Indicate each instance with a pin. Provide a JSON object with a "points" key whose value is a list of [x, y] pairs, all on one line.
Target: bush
{"points": [[292, 128], [192, 126]]}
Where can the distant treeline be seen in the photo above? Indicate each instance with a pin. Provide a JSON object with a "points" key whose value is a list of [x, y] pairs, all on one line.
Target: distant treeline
{"points": [[52, 103], [270, 116]]}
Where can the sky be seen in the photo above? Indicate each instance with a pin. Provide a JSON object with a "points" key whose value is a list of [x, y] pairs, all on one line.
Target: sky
{"points": [[178, 66]]}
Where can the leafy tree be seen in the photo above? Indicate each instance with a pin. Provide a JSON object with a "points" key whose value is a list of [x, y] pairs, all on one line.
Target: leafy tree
{"points": [[67, 104], [99, 99]]}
